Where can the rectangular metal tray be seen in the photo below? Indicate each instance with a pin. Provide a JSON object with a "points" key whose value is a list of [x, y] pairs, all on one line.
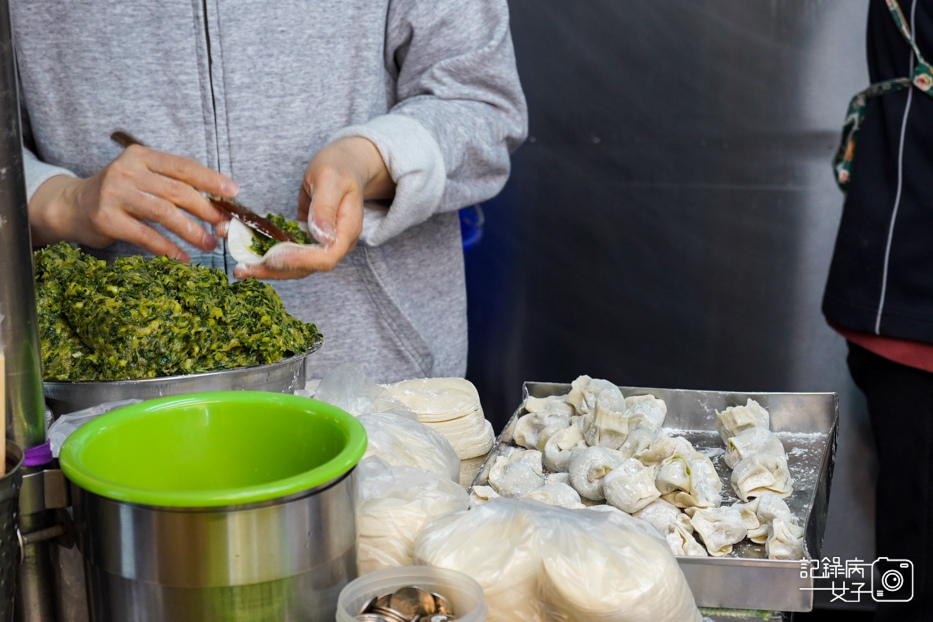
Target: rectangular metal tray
{"points": [[806, 424]]}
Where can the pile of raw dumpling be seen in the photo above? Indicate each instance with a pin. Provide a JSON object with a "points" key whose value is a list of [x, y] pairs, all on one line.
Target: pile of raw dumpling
{"points": [[595, 444]]}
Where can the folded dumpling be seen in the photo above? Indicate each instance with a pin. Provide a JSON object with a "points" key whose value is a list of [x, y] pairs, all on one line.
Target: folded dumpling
{"points": [[517, 473], [770, 506], [785, 540], [559, 445], [735, 419], [680, 538], [606, 425], [704, 486], [555, 493], [719, 528], [752, 441], [660, 514], [588, 466], [664, 447], [542, 404], [757, 529], [585, 392], [630, 486], [637, 442], [645, 412], [673, 475], [761, 473]]}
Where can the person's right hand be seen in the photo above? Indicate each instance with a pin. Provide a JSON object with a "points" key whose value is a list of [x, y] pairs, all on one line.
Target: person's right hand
{"points": [[140, 186]]}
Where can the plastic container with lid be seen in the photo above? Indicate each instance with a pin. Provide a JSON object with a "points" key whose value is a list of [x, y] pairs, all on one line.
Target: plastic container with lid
{"points": [[462, 592]]}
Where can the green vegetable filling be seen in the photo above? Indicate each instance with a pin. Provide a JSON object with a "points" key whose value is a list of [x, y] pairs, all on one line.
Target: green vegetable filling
{"points": [[146, 318], [262, 243]]}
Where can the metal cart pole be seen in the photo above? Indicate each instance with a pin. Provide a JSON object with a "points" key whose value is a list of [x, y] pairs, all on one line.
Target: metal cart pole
{"points": [[35, 599]]}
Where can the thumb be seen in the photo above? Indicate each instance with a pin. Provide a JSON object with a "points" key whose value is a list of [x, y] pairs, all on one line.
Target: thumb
{"points": [[322, 219]]}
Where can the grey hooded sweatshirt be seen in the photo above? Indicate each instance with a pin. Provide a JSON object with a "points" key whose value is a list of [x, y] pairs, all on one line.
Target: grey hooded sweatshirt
{"points": [[253, 89]]}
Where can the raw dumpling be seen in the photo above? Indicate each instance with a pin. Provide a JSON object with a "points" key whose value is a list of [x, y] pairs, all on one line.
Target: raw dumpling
{"points": [[637, 441], [555, 493], [664, 447], [719, 528], [756, 528], [517, 473], [553, 478], [482, 494], [542, 404], [645, 412], [584, 392], [673, 475], [785, 540], [630, 486], [761, 473], [606, 424], [552, 426], [660, 514], [680, 538], [704, 485], [588, 466], [770, 506], [529, 427], [752, 441], [735, 419], [559, 446]]}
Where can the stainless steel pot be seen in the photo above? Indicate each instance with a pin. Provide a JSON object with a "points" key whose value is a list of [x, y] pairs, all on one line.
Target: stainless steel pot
{"points": [[280, 560], [282, 376], [9, 513]]}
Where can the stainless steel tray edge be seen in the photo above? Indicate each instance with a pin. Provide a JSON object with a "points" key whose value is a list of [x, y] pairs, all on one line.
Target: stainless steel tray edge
{"points": [[729, 582]]}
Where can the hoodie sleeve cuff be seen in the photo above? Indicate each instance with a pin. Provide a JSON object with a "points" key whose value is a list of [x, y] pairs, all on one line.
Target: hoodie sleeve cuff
{"points": [[38, 172], [416, 165]]}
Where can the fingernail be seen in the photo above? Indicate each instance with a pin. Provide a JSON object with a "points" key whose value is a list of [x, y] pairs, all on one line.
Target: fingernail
{"points": [[230, 188], [324, 232]]}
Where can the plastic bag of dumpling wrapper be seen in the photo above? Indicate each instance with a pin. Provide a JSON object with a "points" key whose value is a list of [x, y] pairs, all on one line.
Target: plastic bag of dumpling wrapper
{"points": [[403, 442], [541, 563], [393, 504], [348, 388]]}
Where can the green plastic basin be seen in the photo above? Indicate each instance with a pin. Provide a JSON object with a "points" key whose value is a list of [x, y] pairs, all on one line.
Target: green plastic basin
{"points": [[213, 449]]}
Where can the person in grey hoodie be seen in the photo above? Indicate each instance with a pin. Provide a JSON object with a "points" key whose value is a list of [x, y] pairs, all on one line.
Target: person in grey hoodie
{"points": [[306, 108]]}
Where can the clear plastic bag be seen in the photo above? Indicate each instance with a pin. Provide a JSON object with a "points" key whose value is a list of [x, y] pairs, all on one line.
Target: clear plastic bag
{"points": [[393, 504], [348, 388], [540, 563], [66, 424], [400, 441]]}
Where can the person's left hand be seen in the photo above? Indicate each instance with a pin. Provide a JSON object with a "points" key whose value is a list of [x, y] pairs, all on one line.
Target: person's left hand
{"points": [[337, 181]]}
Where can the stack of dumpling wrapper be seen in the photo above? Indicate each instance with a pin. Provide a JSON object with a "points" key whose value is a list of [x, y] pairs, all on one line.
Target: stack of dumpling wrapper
{"points": [[451, 406]]}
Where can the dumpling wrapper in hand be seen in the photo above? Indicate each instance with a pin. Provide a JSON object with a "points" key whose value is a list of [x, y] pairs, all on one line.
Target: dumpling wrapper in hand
{"points": [[761, 473], [588, 466], [785, 540], [630, 486], [735, 419], [517, 473], [719, 528], [240, 241], [680, 538], [752, 441]]}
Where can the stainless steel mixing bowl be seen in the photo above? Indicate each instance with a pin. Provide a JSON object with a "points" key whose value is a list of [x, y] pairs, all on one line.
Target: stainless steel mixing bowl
{"points": [[282, 376]]}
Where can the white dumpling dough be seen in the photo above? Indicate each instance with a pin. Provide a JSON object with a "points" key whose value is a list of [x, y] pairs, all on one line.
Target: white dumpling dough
{"points": [[645, 412], [517, 473], [673, 475], [559, 446], [587, 468], [660, 514], [637, 441], [757, 530], [542, 404], [719, 528], [584, 392], [563, 478], [785, 540], [752, 441], [482, 494], [606, 425], [556, 493], [680, 538], [240, 241], [761, 473], [770, 506], [704, 485], [664, 447], [630, 486], [735, 419]]}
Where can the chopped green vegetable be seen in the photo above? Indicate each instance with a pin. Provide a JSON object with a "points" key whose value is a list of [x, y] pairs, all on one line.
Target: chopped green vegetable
{"points": [[142, 318], [262, 243]]}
